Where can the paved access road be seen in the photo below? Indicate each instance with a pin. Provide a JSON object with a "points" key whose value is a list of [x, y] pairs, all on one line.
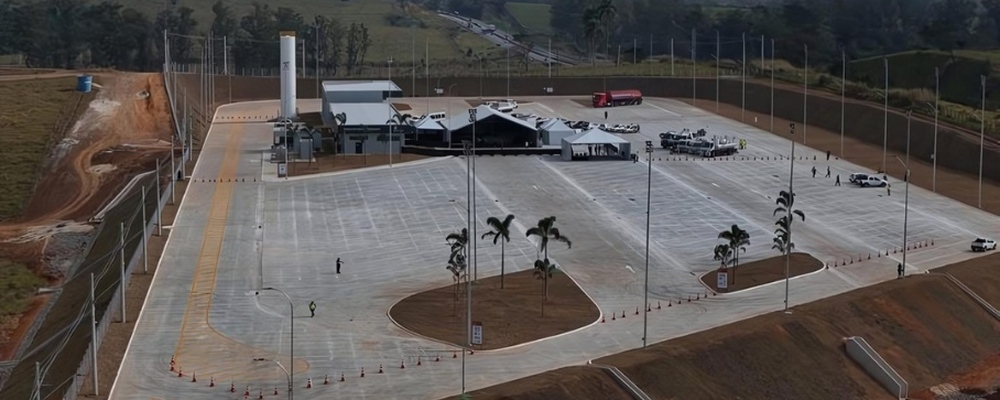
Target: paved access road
{"points": [[388, 225]]}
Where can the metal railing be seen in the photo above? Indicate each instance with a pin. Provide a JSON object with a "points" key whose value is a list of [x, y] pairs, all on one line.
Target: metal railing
{"points": [[625, 382]]}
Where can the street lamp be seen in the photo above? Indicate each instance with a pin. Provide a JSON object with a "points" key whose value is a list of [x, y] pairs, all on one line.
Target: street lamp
{"points": [[291, 346], [933, 108], [468, 150], [906, 206], [649, 185], [718, 53], [791, 195]]}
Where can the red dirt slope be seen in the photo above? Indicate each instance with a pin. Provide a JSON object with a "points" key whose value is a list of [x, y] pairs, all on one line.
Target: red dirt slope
{"points": [[925, 328]]}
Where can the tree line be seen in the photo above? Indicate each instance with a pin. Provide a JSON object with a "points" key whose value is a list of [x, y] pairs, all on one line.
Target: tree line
{"points": [[860, 28], [77, 33]]}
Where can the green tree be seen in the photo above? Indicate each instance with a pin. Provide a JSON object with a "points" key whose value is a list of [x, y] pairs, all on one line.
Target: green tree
{"points": [[783, 234], [592, 31], [499, 231], [546, 231], [737, 239], [543, 271], [723, 253], [457, 265], [951, 24]]}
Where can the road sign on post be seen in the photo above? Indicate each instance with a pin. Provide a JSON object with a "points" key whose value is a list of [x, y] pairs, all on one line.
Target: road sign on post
{"points": [[477, 333], [722, 279]]}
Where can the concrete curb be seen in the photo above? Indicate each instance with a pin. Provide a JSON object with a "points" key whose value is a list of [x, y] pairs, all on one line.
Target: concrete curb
{"points": [[759, 286], [273, 178]]}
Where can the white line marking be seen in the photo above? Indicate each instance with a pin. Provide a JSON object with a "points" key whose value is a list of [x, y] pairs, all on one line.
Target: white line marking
{"points": [[663, 109]]}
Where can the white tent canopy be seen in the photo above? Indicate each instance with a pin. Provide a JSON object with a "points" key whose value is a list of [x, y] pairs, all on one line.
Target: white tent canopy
{"points": [[609, 145], [428, 124], [554, 130]]}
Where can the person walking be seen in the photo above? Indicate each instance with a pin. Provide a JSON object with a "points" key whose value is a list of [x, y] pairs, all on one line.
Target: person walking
{"points": [[814, 172], [827, 171], [338, 265], [899, 271], [605, 115], [837, 183], [312, 309], [888, 191]]}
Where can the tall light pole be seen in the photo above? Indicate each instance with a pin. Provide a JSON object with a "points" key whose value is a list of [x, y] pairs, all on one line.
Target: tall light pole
{"points": [[718, 55], [843, 92], [982, 136], [937, 96], [805, 96], [885, 112], [744, 106], [772, 85], [291, 345], [468, 150], [906, 197], [791, 195], [671, 57], [694, 67], [649, 186]]}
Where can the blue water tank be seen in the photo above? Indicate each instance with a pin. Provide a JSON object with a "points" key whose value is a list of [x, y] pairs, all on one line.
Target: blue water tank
{"points": [[83, 83]]}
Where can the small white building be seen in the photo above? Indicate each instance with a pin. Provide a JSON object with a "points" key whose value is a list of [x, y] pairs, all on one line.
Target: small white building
{"points": [[356, 92], [367, 128]]}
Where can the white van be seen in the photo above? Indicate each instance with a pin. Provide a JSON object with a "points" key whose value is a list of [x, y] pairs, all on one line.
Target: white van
{"points": [[436, 116]]}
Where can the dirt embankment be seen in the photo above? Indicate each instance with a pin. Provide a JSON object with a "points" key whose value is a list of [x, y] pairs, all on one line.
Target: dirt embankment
{"points": [[563, 383], [121, 133], [926, 328]]}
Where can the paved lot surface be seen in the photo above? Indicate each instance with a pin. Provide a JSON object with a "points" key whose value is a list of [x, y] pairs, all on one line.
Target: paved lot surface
{"points": [[388, 225]]}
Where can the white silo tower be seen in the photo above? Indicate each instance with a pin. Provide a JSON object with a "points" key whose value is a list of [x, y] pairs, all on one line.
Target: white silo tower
{"points": [[288, 74]]}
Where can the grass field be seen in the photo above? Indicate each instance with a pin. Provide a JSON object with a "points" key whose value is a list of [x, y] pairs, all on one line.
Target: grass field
{"points": [[387, 40], [959, 73], [533, 16], [30, 119], [18, 283]]}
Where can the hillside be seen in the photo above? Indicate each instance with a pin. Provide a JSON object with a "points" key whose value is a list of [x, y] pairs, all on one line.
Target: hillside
{"points": [[447, 41], [924, 326], [959, 72]]}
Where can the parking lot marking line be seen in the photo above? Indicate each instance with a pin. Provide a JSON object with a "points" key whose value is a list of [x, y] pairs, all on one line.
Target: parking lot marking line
{"points": [[663, 109]]}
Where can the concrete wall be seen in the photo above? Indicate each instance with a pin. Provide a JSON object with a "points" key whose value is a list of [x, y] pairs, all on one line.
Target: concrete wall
{"points": [[958, 148], [863, 354]]}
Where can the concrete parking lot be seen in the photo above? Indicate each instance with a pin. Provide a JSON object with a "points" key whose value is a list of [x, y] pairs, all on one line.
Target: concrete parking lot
{"points": [[388, 225]]}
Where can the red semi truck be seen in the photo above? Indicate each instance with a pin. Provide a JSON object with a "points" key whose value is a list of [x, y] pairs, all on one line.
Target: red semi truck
{"points": [[614, 98]]}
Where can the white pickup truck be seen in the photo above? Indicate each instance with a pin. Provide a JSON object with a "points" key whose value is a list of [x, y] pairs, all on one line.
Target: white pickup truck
{"points": [[982, 244], [871, 181]]}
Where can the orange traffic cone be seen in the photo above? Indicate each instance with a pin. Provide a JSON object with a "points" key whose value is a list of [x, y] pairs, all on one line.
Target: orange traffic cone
{"points": [[637, 310], [612, 316], [362, 372], [623, 313], [418, 361], [380, 368], [342, 377], [326, 379], [454, 354], [658, 305], [309, 383], [261, 394], [232, 387], [180, 373], [172, 362], [275, 390], [669, 303], [437, 358], [194, 377], [211, 381], [402, 364], [602, 319], [247, 392]]}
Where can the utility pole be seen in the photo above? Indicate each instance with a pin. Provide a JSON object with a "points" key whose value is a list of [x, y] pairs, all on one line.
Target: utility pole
{"points": [[937, 95], [121, 266], [548, 57], [805, 97], [671, 56], [772, 85], [93, 337], [319, 89], [145, 245], [694, 67], [843, 88], [743, 111], [982, 136], [885, 111], [635, 52], [718, 59], [159, 212]]}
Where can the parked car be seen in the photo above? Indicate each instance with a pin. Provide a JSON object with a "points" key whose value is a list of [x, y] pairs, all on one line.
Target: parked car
{"points": [[982, 244], [871, 181], [855, 177]]}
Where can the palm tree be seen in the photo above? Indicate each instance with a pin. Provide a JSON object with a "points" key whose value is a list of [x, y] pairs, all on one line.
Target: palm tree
{"points": [[500, 232], [457, 265], [544, 270], [738, 240], [341, 118], [546, 230], [724, 253], [783, 234]]}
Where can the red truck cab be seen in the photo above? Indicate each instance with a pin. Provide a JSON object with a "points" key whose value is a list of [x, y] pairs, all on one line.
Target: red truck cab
{"points": [[615, 98]]}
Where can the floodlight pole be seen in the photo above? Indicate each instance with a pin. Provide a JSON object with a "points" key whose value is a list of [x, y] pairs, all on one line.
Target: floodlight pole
{"points": [[145, 245], [121, 265], [885, 112], [791, 197], [772, 85], [93, 337], [982, 136], [468, 287], [390, 111], [649, 185], [718, 58], [805, 96], [843, 91], [694, 67], [744, 104], [937, 95]]}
